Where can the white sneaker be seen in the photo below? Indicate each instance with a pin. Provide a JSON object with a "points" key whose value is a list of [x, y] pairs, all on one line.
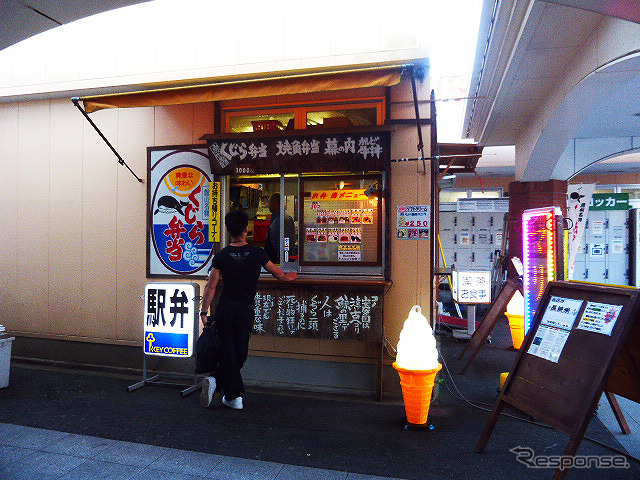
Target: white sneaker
{"points": [[208, 389], [236, 403]]}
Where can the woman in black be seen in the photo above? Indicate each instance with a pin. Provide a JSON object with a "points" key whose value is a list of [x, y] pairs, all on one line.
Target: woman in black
{"points": [[239, 266]]}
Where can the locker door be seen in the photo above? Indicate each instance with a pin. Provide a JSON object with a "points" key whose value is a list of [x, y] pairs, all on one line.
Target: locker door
{"points": [[463, 239], [464, 220], [464, 259], [579, 272], [483, 220], [618, 247], [482, 238], [483, 259], [450, 256], [595, 227], [595, 271]]}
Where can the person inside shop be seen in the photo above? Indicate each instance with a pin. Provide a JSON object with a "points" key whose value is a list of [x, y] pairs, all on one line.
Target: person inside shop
{"points": [[272, 243], [239, 266]]}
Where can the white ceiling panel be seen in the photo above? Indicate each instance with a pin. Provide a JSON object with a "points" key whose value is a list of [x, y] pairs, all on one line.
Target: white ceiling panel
{"points": [[563, 27]]}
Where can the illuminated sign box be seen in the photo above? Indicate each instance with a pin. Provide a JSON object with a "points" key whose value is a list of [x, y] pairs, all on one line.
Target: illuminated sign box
{"points": [[542, 252], [170, 319], [471, 287]]}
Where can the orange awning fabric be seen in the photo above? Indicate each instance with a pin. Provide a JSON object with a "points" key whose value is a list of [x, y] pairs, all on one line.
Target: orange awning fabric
{"points": [[286, 85]]}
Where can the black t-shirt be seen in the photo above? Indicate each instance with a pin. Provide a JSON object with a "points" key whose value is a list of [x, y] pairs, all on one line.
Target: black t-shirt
{"points": [[240, 269]]}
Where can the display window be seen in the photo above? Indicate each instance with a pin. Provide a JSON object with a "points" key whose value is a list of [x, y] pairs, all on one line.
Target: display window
{"points": [[341, 221], [312, 221]]}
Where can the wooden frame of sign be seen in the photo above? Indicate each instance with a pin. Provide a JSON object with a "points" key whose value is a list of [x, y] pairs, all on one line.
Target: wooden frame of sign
{"points": [[563, 391], [487, 325]]}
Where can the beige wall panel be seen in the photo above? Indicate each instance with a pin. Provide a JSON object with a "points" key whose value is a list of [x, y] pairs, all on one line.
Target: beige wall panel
{"points": [[402, 98], [99, 230], [202, 121], [65, 218], [423, 288], [135, 134], [173, 125], [33, 216], [9, 291], [404, 253]]}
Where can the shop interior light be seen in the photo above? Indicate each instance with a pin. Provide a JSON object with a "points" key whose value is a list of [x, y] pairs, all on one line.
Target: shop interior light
{"points": [[539, 257]]}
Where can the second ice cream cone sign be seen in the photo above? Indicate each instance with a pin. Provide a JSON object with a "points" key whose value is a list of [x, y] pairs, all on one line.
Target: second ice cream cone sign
{"points": [[417, 364]]}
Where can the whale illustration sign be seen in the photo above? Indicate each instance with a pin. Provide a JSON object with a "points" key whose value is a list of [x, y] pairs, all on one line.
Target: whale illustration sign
{"points": [[178, 208]]}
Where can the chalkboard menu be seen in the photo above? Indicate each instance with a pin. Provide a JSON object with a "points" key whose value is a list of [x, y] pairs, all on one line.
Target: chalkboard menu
{"points": [[319, 312]]}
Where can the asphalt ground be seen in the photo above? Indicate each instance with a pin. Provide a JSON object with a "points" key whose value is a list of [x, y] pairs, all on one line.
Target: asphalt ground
{"points": [[350, 434]]}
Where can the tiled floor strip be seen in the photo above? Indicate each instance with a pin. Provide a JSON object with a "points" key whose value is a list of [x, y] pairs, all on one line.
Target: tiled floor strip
{"points": [[27, 453]]}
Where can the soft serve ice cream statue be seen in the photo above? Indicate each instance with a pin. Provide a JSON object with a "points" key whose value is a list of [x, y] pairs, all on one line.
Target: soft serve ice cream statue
{"points": [[417, 346]]}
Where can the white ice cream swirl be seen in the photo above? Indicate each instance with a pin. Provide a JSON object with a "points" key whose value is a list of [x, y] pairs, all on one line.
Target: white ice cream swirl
{"points": [[417, 346]]}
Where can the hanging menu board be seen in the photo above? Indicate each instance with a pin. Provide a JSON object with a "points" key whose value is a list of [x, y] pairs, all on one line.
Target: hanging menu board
{"points": [[341, 222]]}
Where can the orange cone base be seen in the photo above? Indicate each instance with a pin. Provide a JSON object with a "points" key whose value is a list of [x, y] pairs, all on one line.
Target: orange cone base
{"points": [[417, 387], [516, 324]]}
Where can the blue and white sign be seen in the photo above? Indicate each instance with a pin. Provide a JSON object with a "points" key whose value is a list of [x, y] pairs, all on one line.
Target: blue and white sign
{"points": [[170, 319], [179, 239]]}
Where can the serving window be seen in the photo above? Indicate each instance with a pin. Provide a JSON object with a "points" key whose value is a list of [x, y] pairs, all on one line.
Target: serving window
{"points": [[341, 221]]}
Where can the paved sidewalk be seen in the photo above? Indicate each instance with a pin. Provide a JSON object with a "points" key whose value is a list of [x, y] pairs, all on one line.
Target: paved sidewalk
{"points": [[631, 410], [28, 453]]}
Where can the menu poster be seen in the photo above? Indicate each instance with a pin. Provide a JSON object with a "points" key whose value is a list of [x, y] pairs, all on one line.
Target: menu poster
{"points": [[356, 216], [367, 216], [311, 235], [555, 327], [349, 253], [549, 343], [599, 318], [332, 236], [413, 222], [322, 235]]}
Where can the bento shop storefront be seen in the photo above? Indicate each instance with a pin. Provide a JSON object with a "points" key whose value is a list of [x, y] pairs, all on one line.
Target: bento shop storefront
{"points": [[326, 156]]}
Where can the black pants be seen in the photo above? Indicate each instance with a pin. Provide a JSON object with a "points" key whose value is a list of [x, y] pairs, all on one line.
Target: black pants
{"points": [[234, 321]]}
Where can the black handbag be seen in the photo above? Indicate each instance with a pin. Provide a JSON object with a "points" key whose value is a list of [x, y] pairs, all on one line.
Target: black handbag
{"points": [[208, 349]]}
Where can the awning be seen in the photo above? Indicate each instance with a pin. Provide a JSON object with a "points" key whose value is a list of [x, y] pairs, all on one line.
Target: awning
{"points": [[284, 85], [458, 157]]}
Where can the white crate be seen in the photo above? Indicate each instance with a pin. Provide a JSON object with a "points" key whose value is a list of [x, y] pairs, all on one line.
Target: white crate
{"points": [[5, 360]]}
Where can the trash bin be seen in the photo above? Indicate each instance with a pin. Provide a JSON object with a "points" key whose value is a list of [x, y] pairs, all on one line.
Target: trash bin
{"points": [[5, 360]]}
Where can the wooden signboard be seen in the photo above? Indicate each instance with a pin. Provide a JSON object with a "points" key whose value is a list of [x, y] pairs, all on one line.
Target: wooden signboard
{"points": [[327, 312], [579, 334]]}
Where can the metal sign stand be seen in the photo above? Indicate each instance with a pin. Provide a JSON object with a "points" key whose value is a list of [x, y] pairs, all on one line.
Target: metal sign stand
{"points": [[155, 380], [158, 305]]}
